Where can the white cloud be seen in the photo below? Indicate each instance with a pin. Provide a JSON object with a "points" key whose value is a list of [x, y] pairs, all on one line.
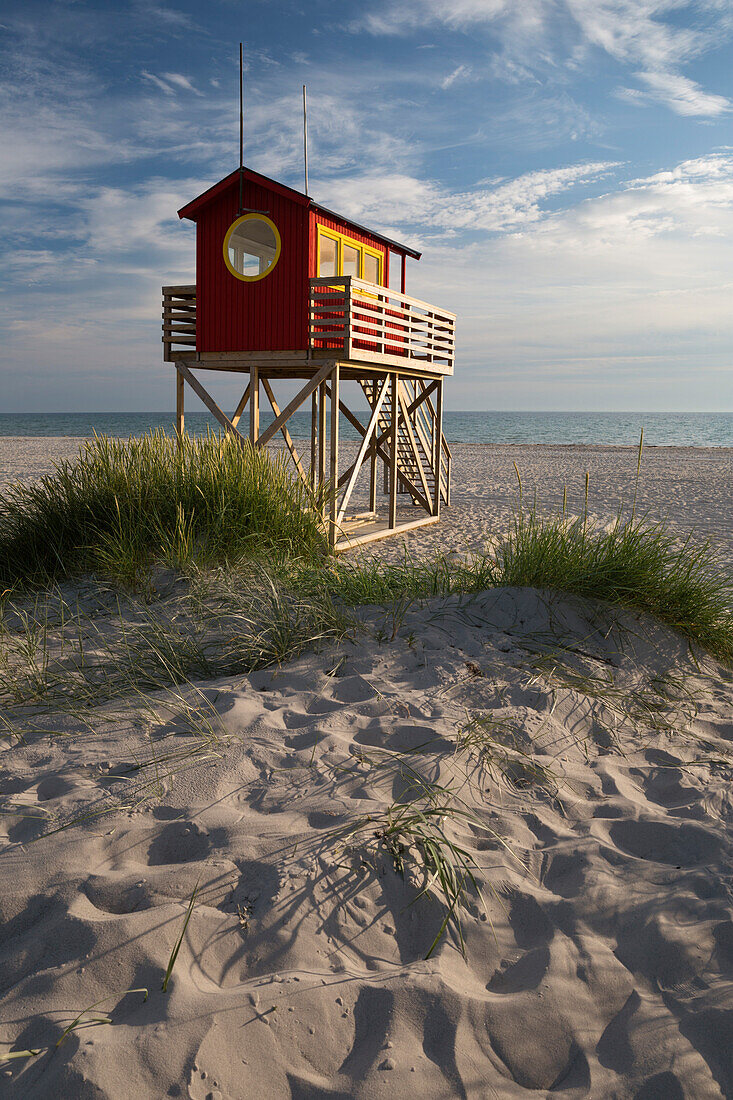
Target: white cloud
{"points": [[634, 31], [181, 81], [684, 96], [170, 82], [401, 198], [624, 297], [162, 84], [459, 73], [537, 34]]}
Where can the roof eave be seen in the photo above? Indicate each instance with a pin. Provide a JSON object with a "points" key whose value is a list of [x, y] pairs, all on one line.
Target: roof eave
{"points": [[191, 209], [369, 232]]}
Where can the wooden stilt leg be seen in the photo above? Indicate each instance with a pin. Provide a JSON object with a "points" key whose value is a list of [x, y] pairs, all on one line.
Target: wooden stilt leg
{"points": [[385, 469], [373, 478], [180, 425], [393, 451], [321, 435], [437, 447], [314, 436], [334, 468], [254, 405]]}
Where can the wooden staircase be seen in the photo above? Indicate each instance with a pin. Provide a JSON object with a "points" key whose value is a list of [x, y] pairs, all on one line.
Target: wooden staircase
{"points": [[420, 456]]}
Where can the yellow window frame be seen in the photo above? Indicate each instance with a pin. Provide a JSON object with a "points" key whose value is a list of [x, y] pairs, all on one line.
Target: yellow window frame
{"points": [[340, 239], [278, 247]]}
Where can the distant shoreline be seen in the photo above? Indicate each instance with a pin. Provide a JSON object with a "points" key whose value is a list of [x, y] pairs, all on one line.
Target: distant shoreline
{"points": [[717, 448]]}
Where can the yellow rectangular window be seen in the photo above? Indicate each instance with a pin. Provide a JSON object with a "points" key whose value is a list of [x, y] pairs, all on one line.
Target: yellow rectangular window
{"points": [[351, 261], [342, 255], [371, 267], [327, 256]]}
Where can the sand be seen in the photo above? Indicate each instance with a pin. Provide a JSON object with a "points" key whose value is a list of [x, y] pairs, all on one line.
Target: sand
{"points": [[589, 754]]}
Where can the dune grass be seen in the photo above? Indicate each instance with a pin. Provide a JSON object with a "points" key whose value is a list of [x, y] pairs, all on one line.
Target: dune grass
{"points": [[633, 563], [124, 505]]}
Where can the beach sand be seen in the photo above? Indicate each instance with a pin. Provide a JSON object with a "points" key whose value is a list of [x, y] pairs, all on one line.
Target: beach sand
{"points": [[587, 750]]}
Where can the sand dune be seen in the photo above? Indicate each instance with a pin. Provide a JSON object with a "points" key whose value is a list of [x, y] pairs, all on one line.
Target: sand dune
{"points": [[590, 752]]}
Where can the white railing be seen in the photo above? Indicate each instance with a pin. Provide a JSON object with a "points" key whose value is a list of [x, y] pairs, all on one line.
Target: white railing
{"points": [[364, 321]]}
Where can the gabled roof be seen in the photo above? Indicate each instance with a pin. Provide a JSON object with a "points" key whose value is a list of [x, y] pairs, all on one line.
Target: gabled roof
{"points": [[192, 209]]}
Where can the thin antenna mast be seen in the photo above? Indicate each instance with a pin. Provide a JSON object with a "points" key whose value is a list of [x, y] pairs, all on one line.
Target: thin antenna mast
{"points": [[305, 140], [241, 129]]}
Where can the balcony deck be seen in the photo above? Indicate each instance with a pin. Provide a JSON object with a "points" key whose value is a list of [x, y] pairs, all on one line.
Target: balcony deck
{"points": [[359, 324]]}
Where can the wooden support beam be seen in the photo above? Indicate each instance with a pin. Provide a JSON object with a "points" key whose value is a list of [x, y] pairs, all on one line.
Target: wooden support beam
{"points": [[286, 434], [241, 406], [208, 400], [382, 445], [297, 401], [334, 465], [394, 383], [314, 430], [254, 404], [321, 435], [438, 449], [355, 423], [421, 397], [371, 426], [373, 478], [180, 391]]}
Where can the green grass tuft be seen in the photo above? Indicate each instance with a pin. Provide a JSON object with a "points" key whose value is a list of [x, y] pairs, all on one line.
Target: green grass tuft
{"points": [[633, 563], [125, 505]]}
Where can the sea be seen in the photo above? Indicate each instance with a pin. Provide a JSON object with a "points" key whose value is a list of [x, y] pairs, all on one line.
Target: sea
{"points": [[609, 428]]}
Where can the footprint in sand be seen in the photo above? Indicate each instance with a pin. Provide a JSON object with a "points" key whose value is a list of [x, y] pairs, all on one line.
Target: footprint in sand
{"points": [[565, 874], [681, 845], [54, 786], [181, 842], [353, 689], [259, 884], [402, 737], [530, 924], [525, 973], [118, 898]]}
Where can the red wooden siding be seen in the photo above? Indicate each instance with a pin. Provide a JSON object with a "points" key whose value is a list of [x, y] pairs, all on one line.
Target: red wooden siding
{"points": [[268, 315], [318, 218], [272, 313]]}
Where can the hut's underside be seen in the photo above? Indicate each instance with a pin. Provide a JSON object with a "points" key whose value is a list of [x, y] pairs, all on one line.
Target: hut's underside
{"points": [[400, 448]]}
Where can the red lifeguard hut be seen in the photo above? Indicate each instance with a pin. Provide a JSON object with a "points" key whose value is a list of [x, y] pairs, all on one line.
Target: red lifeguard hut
{"points": [[288, 290]]}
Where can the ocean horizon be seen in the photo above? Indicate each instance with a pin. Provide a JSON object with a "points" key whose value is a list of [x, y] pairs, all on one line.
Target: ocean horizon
{"points": [[570, 428]]}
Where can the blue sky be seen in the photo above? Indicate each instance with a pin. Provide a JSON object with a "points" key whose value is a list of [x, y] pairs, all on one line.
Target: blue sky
{"points": [[566, 166]]}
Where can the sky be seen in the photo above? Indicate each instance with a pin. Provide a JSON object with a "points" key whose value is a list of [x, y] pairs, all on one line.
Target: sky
{"points": [[565, 166]]}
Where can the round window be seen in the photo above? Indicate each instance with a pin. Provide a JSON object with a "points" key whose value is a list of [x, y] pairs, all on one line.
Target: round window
{"points": [[252, 247]]}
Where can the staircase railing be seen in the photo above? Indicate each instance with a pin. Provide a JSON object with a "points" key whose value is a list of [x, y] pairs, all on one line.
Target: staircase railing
{"points": [[416, 433]]}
